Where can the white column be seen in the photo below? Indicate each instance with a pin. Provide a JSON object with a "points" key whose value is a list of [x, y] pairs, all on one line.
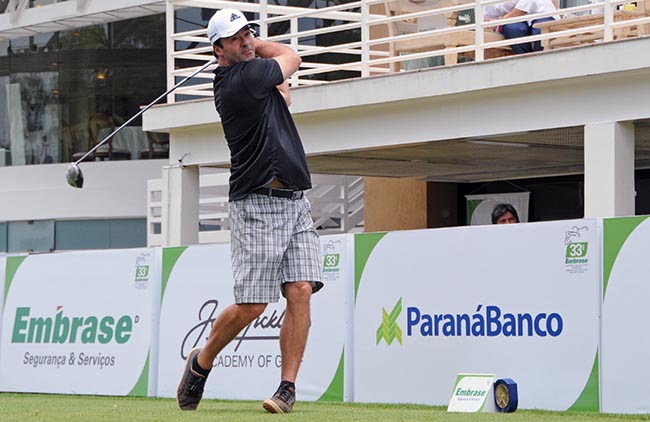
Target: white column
{"points": [[609, 169], [170, 47], [180, 205]]}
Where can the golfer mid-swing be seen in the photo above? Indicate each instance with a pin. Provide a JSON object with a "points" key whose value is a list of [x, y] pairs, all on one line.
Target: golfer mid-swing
{"points": [[275, 248]]}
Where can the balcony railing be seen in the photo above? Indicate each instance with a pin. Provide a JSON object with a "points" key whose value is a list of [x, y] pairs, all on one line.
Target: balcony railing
{"points": [[378, 35], [336, 203]]}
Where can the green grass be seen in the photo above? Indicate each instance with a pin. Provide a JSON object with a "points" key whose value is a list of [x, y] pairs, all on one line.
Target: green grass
{"points": [[52, 408]]}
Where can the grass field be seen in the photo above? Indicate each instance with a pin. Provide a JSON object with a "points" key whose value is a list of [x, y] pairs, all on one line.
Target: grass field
{"points": [[46, 408]]}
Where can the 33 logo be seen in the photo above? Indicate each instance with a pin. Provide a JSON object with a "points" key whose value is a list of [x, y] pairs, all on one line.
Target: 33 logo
{"points": [[576, 250], [331, 260], [142, 271]]}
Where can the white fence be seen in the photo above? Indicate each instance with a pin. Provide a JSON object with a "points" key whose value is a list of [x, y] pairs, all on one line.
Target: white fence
{"points": [[378, 28], [337, 207]]}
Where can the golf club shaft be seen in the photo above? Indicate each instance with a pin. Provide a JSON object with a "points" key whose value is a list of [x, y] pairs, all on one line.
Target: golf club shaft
{"points": [[151, 104]]}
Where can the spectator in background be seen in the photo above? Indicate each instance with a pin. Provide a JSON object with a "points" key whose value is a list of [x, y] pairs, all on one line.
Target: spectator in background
{"points": [[504, 214], [511, 9]]}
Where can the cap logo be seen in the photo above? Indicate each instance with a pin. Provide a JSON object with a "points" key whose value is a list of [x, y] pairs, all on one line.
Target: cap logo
{"points": [[234, 17]]}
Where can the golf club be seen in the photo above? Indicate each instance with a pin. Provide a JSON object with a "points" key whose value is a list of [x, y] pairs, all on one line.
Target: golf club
{"points": [[74, 176]]}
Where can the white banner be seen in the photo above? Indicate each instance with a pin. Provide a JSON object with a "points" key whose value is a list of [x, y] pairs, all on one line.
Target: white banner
{"points": [[197, 283], [519, 301], [79, 322], [626, 339]]}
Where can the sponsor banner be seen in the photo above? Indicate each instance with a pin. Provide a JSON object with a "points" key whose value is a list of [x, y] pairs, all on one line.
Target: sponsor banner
{"points": [[625, 341], [78, 322], [198, 286], [519, 301]]}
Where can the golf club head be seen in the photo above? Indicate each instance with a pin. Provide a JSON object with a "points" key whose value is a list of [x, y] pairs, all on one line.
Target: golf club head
{"points": [[74, 176]]}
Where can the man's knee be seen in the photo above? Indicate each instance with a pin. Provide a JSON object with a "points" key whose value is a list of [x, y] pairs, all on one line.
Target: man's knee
{"points": [[515, 30], [298, 291]]}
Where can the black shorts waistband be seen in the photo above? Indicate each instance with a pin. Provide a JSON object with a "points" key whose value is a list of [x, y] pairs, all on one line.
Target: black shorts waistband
{"points": [[280, 193]]}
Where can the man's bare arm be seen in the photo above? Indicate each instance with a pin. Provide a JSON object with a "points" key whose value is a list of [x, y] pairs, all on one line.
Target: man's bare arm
{"points": [[288, 59], [284, 90], [513, 13]]}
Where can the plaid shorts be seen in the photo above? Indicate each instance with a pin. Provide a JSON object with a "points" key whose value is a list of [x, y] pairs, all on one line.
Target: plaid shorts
{"points": [[273, 241]]}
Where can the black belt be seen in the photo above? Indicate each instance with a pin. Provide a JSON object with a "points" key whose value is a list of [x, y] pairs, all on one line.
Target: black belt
{"points": [[280, 193]]}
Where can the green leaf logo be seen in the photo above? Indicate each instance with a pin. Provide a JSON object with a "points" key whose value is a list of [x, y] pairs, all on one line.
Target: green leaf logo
{"points": [[389, 330]]}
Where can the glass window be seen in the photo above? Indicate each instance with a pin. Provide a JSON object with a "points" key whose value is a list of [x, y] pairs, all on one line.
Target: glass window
{"points": [[4, 111], [4, 51], [107, 73], [128, 233], [4, 119], [100, 234], [34, 133], [62, 93], [75, 235], [3, 237], [30, 236]]}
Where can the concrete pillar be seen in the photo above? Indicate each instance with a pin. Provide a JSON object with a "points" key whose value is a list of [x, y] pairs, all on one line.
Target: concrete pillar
{"points": [[180, 205], [609, 169]]}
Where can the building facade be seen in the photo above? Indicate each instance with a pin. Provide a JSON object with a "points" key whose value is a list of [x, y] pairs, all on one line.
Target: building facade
{"points": [[566, 124]]}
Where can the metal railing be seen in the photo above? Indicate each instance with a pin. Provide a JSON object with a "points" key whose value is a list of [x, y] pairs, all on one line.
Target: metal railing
{"points": [[370, 30], [336, 202]]}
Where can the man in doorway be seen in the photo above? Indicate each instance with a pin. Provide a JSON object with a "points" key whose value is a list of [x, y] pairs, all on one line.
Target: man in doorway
{"points": [[274, 247]]}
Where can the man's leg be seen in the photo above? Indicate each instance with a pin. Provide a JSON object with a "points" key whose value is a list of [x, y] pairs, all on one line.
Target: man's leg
{"points": [[228, 324], [517, 30], [301, 261], [295, 328], [537, 45], [293, 338]]}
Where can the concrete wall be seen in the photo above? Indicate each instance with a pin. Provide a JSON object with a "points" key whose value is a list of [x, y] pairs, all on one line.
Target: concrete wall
{"points": [[111, 190]]}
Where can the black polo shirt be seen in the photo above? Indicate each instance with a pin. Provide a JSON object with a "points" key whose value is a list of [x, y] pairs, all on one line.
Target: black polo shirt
{"points": [[262, 137]]}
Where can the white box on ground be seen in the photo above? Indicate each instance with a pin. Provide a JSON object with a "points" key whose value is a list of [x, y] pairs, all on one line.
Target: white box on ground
{"points": [[472, 393]]}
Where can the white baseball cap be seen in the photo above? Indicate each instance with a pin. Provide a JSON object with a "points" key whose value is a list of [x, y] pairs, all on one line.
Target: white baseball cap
{"points": [[226, 23]]}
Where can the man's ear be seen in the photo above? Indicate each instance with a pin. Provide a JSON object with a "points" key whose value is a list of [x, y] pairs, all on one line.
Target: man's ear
{"points": [[217, 50]]}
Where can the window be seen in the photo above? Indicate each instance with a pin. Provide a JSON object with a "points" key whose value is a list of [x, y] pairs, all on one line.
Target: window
{"points": [[53, 87], [101, 234]]}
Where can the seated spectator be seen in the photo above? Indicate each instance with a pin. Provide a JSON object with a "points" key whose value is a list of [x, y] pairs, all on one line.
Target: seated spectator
{"points": [[504, 214], [511, 9]]}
